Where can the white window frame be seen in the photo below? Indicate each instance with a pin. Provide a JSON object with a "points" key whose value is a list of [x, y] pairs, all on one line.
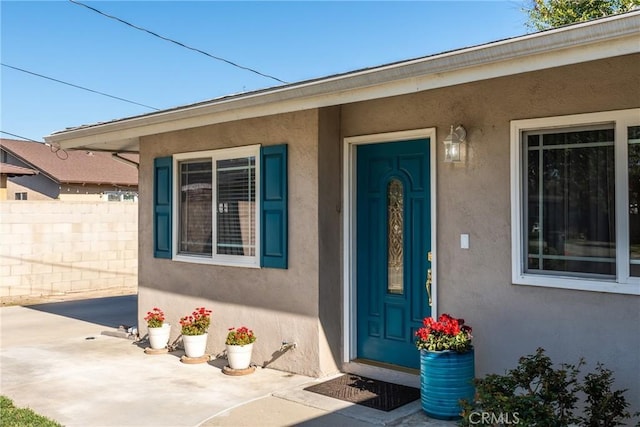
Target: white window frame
{"points": [[120, 195], [623, 283], [215, 155]]}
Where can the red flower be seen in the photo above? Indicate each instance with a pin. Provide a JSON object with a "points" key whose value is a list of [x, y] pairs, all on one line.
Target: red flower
{"points": [[155, 318], [447, 333], [240, 336], [197, 323]]}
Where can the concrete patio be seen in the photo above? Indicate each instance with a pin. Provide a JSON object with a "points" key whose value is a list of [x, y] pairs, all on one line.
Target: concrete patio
{"points": [[56, 360]]}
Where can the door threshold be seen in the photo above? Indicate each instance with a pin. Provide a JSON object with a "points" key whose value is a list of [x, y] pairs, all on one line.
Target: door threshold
{"points": [[383, 372]]}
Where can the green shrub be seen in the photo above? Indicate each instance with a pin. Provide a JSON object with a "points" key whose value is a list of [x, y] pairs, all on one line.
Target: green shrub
{"points": [[536, 394], [605, 408]]}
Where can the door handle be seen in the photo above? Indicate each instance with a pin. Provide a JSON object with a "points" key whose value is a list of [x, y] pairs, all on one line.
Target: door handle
{"points": [[427, 284]]}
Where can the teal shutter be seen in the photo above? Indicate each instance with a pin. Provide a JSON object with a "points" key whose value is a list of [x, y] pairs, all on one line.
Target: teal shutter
{"points": [[162, 206], [273, 215]]}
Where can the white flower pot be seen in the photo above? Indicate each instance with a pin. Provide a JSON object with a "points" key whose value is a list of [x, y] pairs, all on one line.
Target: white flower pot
{"points": [[159, 337], [239, 356], [195, 345]]}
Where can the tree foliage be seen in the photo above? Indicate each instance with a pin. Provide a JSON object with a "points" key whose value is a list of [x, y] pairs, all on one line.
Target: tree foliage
{"points": [[546, 14]]}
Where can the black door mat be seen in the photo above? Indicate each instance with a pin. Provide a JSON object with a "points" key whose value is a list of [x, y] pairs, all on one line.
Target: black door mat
{"points": [[367, 392]]}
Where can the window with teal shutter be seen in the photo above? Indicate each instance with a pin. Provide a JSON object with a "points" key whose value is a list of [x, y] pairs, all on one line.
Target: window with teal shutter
{"points": [[162, 207], [229, 217]]}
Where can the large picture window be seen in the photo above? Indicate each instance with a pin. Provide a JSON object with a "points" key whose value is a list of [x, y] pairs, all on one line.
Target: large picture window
{"points": [[570, 202], [575, 185], [217, 210]]}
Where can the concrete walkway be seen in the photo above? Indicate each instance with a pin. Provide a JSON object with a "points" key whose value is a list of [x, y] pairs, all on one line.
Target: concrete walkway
{"points": [[56, 360]]}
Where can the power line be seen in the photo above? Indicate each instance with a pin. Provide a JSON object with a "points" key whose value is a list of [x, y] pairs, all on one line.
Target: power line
{"points": [[21, 137], [55, 148], [178, 43], [78, 87]]}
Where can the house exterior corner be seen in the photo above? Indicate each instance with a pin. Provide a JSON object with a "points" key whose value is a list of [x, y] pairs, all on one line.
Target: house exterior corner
{"points": [[280, 305], [329, 213]]}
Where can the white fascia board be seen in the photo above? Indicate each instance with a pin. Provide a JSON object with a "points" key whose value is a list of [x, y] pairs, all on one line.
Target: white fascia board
{"points": [[609, 37]]}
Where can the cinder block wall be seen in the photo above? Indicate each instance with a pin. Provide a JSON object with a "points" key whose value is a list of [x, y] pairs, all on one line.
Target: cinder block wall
{"points": [[54, 248]]}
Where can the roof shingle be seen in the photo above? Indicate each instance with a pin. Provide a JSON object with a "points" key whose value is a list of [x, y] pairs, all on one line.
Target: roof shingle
{"points": [[73, 166], [13, 170]]}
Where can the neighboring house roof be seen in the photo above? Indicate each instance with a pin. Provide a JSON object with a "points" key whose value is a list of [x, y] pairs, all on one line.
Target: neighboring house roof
{"points": [[73, 166], [13, 170], [588, 41]]}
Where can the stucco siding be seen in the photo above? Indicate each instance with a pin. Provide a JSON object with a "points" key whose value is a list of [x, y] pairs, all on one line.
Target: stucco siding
{"points": [[474, 197], [38, 187], [41, 193], [304, 302], [330, 247], [280, 305]]}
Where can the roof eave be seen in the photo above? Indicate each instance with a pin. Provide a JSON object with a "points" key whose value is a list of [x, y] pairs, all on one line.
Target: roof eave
{"points": [[98, 183], [608, 37]]}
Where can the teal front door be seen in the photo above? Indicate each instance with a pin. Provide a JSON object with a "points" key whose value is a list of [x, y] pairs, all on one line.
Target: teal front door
{"points": [[393, 239]]}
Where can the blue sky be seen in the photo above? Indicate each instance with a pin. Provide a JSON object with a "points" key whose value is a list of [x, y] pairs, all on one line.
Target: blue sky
{"points": [[292, 41]]}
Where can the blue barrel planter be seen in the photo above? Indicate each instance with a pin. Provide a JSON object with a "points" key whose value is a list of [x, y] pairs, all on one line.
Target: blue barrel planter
{"points": [[446, 377]]}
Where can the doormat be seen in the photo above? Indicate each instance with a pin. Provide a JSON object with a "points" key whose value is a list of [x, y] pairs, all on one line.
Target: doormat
{"points": [[367, 392]]}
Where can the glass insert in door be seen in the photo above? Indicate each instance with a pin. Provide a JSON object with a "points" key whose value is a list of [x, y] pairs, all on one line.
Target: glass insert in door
{"points": [[395, 237]]}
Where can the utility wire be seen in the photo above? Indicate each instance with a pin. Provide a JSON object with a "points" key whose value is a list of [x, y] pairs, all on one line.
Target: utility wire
{"points": [[55, 148], [178, 43], [78, 87], [21, 137]]}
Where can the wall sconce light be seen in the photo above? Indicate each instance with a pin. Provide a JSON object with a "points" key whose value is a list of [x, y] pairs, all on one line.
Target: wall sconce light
{"points": [[452, 144]]}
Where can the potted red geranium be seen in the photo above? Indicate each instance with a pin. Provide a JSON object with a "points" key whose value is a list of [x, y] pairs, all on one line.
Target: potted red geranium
{"points": [[239, 344], [446, 333], [447, 366], [195, 331], [159, 330]]}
